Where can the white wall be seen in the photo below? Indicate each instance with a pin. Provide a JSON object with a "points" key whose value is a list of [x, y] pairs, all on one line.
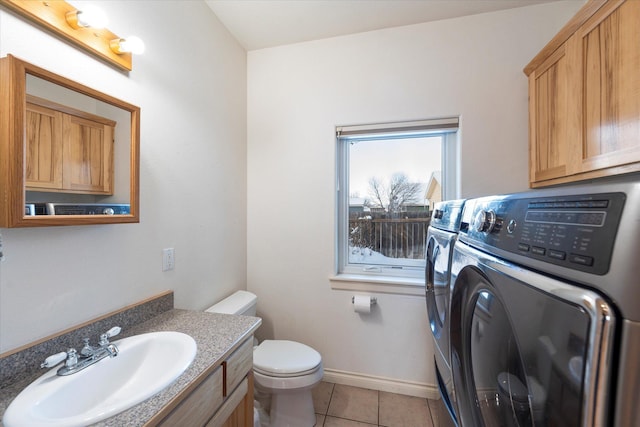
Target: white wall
{"points": [[297, 94], [191, 87]]}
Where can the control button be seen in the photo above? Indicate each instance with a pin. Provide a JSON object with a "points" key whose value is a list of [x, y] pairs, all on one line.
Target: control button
{"points": [[511, 227], [485, 221], [581, 259], [538, 250], [557, 254], [523, 247]]}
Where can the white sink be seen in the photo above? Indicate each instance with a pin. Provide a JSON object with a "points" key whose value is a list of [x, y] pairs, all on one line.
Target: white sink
{"points": [[145, 365]]}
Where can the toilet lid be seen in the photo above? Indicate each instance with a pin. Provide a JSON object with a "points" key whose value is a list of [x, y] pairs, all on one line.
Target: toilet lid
{"points": [[285, 358]]}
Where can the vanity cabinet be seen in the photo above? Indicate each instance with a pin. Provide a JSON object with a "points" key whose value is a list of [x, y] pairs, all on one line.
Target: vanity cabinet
{"points": [[223, 398], [584, 97], [67, 150]]}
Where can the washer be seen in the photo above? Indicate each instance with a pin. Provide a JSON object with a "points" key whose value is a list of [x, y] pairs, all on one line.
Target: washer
{"points": [[441, 236], [545, 308]]}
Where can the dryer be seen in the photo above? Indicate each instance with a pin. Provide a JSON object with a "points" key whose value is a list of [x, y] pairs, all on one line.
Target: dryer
{"points": [[441, 237]]}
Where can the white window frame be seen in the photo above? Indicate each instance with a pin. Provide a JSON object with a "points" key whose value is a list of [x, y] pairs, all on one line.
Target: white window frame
{"points": [[357, 276]]}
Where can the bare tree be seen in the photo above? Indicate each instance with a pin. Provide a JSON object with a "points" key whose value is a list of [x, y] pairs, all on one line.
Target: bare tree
{"points": [[396, 194]]}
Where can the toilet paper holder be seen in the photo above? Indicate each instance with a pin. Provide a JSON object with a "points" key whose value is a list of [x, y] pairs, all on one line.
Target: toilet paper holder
{"points": [[373, 300]]}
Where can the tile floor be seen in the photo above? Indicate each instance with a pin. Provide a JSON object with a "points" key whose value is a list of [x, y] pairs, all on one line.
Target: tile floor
{"points": [[339, 405]]}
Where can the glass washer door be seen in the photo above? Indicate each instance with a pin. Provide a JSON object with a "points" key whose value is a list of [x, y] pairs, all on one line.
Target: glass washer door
{"points": [[518, 352]]}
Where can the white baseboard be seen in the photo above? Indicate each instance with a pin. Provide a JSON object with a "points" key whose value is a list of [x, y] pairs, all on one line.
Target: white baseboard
{"points": [[390, 385]]}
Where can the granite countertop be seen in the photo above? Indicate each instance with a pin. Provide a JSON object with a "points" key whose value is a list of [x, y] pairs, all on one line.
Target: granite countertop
{"points": [[216, 336]]}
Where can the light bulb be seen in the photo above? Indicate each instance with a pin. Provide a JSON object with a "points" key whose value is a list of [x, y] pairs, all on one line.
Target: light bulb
{"points": [[89, 16], [131, 44]]}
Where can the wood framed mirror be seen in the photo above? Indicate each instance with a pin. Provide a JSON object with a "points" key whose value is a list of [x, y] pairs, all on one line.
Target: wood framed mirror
{"points": [[69, 154]]}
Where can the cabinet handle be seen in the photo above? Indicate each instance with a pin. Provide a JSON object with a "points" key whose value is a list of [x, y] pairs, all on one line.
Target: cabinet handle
{"points": [[224, 379]]}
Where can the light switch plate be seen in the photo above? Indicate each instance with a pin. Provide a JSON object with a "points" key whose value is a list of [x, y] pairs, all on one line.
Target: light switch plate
{"points": [[168, 259]]}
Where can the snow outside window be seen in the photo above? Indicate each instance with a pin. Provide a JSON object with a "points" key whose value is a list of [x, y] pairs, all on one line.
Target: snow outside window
{"points": [[389, 177]]}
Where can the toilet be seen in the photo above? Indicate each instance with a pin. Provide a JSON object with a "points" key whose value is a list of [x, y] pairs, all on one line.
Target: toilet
{"points": [[285, 370]]}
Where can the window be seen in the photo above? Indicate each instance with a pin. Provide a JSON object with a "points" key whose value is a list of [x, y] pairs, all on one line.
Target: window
{"points": [[389, 177]]}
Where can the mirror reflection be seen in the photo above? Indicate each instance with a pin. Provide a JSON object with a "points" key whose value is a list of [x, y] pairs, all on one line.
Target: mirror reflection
{"points": [[77, 150]]}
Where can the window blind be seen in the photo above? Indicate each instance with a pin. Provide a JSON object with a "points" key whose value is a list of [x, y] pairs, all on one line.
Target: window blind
{"points": [[398, 129]]}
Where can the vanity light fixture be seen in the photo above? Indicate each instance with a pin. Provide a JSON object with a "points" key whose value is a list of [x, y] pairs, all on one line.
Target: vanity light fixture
{"points": [[79, 27]]}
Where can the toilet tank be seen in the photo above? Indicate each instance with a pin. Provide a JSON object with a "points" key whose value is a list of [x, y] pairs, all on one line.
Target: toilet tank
{"points": [[241, 302]]}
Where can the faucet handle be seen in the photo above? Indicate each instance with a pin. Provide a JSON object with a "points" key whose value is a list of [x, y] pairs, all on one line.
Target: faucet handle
{"points": [[104, 338], [53, 360], [113, 331], [87, 350], [72, 358]]}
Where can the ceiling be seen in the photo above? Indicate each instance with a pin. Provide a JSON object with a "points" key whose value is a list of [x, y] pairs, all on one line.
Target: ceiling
{"points": [[259, 24]]}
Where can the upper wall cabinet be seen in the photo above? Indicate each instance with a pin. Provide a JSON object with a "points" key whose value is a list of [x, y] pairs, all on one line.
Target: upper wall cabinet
{"points": [[69, 155], [584, 97]]}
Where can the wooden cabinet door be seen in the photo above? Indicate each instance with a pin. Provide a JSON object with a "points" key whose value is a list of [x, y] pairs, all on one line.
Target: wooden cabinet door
{"points": [[223, 399], [609, 45], [198, 407], [549, 118], [88, 155], [43, 148]]}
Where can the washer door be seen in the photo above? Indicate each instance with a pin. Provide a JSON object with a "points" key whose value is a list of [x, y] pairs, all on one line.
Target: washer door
{"points": [[439, 252], [520, 343]]}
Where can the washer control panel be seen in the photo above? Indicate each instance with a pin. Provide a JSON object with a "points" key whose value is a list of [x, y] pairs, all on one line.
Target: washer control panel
{"points": [[577, 232]]}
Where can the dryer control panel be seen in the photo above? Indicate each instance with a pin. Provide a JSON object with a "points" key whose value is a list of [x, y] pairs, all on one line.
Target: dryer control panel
{"points": [[447, 215], [574, 231]]}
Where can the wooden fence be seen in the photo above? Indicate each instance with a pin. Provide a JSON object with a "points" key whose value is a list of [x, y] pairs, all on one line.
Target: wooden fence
{"points": [[394, 238]]}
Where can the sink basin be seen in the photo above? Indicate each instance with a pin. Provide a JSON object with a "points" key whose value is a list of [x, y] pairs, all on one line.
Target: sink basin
{"points": [[145, 365]]}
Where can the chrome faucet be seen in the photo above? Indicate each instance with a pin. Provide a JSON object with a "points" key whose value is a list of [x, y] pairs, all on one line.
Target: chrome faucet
{"points": [[74, 362]]}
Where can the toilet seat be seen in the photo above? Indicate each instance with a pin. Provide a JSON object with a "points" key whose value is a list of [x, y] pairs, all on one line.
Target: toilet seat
{"points": [[285, 359], [290, 375]]}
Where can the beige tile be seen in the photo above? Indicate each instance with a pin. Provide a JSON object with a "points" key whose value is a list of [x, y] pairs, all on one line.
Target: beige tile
{"points": [[397, 410], [341, 422], [321, 397], [440, 414], [319, 420], [353, 403]]}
